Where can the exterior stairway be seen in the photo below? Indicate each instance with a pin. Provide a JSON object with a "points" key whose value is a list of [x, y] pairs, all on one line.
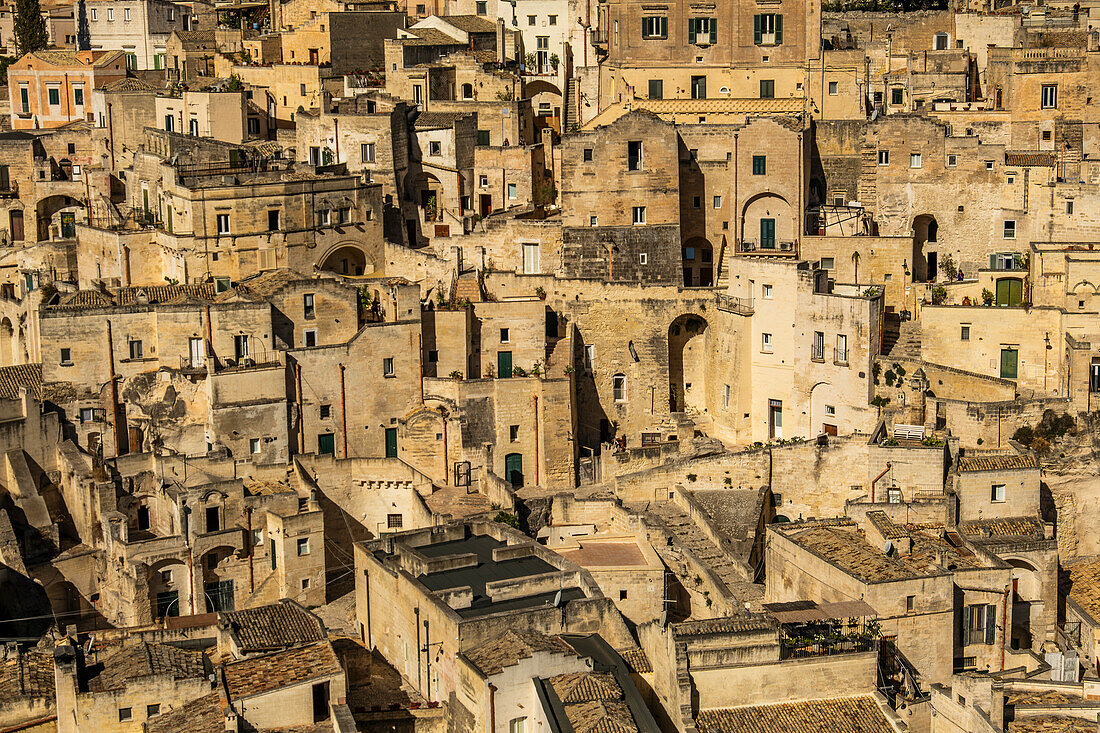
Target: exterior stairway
{"points": [[688, 536], [901, 339]]}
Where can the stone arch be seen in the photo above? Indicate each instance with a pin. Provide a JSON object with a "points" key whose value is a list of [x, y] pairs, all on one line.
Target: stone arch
{"points": [[53, 206], [687, 364], [925, 256], [698, 263], [8, 348], [429, 196], [169, 585], [1027, 585], [767, 222], [217, 578], [467, 91], [347, 258]]}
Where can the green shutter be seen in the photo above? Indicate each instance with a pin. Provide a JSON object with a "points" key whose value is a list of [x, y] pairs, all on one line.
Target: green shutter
{"points": [[756, 34], [990, 623], [778, 29], [992, 262], [664, 27], [714, 30], [965, 638], [691, 30]]}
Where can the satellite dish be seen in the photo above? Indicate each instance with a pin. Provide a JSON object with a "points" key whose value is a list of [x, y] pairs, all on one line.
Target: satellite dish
{"points": [[888, 547], [557, 599]]}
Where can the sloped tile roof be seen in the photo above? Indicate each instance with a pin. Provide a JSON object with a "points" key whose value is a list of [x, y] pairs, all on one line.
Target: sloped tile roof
{"points": [[636, 660], [144, 659], [997, 462], [67, 57], [586, 686], [203, 715], [838, 715], [258, 675], [471, 23], [28, 674], [130, 84], [1007, 527], [1033, 158], [429, 37], [496, 655], [12, 378], [593, 702], [727, 625], [1084, 578], [438, 120], [278, 626]]}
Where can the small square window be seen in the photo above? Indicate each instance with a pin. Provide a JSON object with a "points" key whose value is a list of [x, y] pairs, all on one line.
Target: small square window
{"points": [[964, 333], [552, 20], [622, 595], [592, 220], [125, 714], [717, 202], [643, 258], [914, 160], [766, 343], [305, 583], [1010, 229], [989, 165], [759, 165], [766, 291], [135, 349], [253, 445], [504, 334], [952, 161], [394, 521], [433, 356], [639, 214], [834, 88], [66, 356], [513, 433], [588, 155], [166, 577], [223, 223], [997, 493], [830, 410], [387, 367], [435, 147], [310, 338], [325, 411], [884, 157], [696, 202], [531, 19], [303, 546]]}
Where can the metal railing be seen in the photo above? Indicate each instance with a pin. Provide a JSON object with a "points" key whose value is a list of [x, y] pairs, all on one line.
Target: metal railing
{"points": [[731, 304]]}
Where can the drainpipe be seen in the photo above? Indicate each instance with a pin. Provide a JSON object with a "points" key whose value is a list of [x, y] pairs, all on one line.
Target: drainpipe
{"points": [[336, 134], [492, 708], [209, 341], [111, 135], [416, 611], [191, 578], [420, 364], [536, 439], [251, 553], [1004, 625], [301, 415], [876, 480], [117, 422], [343, 412], [369, 639]]}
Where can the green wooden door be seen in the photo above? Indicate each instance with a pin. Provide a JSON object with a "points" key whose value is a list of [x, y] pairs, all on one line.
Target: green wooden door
{"points": [[513, 469], [326, 444], [68, 225], [1009, 363], [391, 442], [504, 364], [767, 234], [1010, 291]]}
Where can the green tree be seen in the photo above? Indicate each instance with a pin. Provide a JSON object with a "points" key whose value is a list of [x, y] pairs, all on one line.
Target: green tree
{"points": [[30, 27]]}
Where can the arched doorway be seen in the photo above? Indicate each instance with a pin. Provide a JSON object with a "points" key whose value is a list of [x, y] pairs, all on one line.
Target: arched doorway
{"points": [[7, 343], [1027, 603], [687, 364], [925, 256], [698, 263], [767, 224], [217, 581], [169, 589], [347, 259], [59, 211]]}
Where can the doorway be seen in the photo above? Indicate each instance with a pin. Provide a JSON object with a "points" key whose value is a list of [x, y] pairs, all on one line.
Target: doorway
{"points": [[775, 419], [767, 234], [16, 225], [698, 87], [504, 364], [513, 469], [391, 442], [485, 204]]}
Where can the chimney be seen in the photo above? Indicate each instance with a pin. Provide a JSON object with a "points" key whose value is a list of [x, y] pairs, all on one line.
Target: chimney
{"points": [[500, 41]]}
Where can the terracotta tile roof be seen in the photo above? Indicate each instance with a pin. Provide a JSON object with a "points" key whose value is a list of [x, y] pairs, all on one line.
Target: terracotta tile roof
{"points": [[130, 84], [498, 654], [143, 659], [728, 625], [1030, 158], [122, 297], [429, 37], [997, 462], [192, 37], [257, 675], [438, 120], [278, 626], [471, 23], [69, 57], [846, 547], [1051, 724], [636, 660], [593, 702], [203, 715], [1084, 579], [1008, 527], [838, 715], [27, 674], [885, 525], [12, 378], [1042, 697]]}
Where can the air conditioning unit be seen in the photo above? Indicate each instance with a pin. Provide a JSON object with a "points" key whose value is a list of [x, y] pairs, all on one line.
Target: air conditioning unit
{"points": [[786, 246]]}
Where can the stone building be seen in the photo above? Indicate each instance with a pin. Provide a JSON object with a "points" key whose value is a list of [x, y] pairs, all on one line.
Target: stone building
{"points": [[51, 88], [138, 28]]}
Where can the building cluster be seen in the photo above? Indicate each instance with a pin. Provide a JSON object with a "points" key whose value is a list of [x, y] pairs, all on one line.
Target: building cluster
{"points": [[574, 366]]}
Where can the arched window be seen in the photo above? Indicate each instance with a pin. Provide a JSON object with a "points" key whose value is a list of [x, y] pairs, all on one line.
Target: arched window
{"points": [[467, 91], [618, 387]]}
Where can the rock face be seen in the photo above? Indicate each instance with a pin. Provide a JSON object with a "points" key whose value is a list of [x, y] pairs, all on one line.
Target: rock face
{"points": [[1071, 472]]}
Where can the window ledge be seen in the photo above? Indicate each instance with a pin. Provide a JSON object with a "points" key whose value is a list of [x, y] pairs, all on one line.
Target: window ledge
{"points": [[839, 362], [389, 376], [67, 364]]}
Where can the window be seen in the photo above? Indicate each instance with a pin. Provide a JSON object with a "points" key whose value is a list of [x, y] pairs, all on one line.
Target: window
{"points": [[1010, 229], [979, 624], [639, 215], [78, 100], [135, 349], [697, 202], [110, 14], [830, 410], [767, 88], [655, 27], [1069, 206], [504, 334], [530, 258], [989, 165], [702, 30], [1049, 96], [552, 20], [435, 147], [964, 333], [589, 357], [303, 546], [54, 95], [587, 155], [834, 88], [897, 96], [766, 343], [997, 493], [366, 152], [884, 157], [818, 352], [939, 42], [618, 387], [767, 29], [513, 433], [512, 192], [634, 155], [910, 603], [717, 202], [952, 161], [66, 356], [914, 160], [394, 521], [308, 309], [656, 89], [827, 263], [517, 725], [483, 137], [324, 218], [305, 583], [25, 99], [223, 223], [766, 292], [841, 348], [95, 14], [643, 258], [325, 411], [725, 396], [125, 714], [481, 7], [759, 165], [253, 445], [387, 367], [310, 337], [592, 220]]}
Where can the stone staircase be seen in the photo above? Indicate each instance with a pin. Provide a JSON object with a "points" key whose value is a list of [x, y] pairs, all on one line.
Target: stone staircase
{"points": [[901, 339], [686, 535]]}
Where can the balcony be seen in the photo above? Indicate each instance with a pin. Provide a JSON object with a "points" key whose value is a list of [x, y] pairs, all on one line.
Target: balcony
{"points": [[730, 304], [9, 189], [774, 247]]}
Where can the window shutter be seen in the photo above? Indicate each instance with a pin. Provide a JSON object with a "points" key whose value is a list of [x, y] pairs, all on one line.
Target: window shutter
{"points": [[992, 262], [691, 30], [663, 25], [990, 623], [965, 625], [756, 35], [714, 30], [778, 29]]}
